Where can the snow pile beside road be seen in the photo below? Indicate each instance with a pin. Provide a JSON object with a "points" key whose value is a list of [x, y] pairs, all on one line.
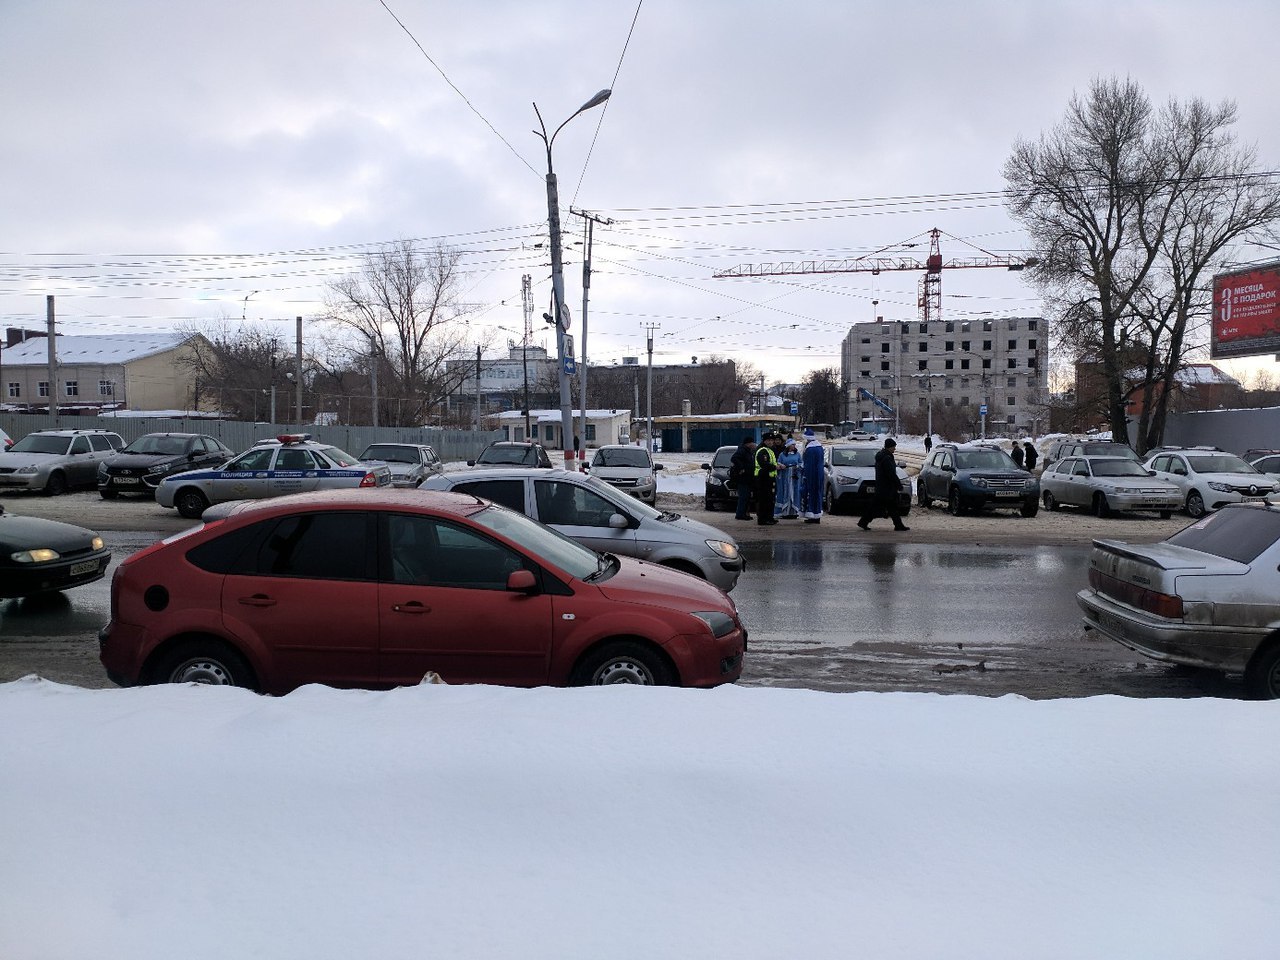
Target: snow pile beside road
{"points": [[481, 822]]}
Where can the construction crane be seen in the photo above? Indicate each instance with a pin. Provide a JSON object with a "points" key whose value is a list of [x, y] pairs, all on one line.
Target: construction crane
{"points": [[930, 289]]}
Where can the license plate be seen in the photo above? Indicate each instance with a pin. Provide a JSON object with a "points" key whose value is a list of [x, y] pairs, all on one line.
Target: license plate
{"points": [[124, 479], [1255, 499], [85, 566], [1008, 493]]}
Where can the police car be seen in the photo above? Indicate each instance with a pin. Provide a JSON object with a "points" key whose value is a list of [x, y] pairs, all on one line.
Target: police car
{"points": [[291, 463]]}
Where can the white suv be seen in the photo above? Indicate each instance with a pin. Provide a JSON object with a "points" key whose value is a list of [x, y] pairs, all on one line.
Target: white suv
{"points": [[628, 468], [1210, 479]]}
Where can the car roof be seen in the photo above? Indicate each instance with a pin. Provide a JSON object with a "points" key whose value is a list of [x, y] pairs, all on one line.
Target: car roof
{"points": [[515, 473], [352, 498]]}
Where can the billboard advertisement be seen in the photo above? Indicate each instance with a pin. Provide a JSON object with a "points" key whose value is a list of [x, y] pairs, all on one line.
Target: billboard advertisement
{"points": [[1246, 312]]}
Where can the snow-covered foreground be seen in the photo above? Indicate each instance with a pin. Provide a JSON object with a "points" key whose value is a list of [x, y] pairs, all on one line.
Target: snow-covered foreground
{"points": [[437, 821]]}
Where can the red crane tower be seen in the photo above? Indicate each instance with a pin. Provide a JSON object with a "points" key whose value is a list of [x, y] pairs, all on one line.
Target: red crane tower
{"points": [[930, 290]]}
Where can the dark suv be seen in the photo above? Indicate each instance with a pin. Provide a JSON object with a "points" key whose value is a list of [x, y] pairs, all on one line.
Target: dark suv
{"points": [[719, 493], [140, 466], [973, 478], [512, 453]]}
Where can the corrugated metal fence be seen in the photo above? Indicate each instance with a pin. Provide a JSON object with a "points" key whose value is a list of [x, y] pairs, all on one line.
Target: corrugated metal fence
{"points": [[448, 444]]}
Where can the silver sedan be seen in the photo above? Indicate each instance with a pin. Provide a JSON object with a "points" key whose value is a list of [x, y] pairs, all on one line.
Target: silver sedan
{"points": [[1105, 485]]}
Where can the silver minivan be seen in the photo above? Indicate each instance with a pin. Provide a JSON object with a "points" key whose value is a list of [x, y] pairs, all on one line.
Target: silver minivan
{"points": [[604, 519]]}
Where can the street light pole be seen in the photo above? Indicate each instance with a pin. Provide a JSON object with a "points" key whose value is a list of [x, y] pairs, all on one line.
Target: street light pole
{"points": [[559, 311]]}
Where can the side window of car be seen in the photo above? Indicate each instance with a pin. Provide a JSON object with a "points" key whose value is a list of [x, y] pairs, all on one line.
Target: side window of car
{"points": [[569, 504], [320, 546], [259, 459], [295, 460], [1177, 467], [467, 559], [1269, 465], [509, 493], [1081, 468], [80, 445], [101, 443]]}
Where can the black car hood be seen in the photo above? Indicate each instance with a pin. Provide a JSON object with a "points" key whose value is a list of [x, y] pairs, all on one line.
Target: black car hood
{"points": [[135, 461], [27, 533]]}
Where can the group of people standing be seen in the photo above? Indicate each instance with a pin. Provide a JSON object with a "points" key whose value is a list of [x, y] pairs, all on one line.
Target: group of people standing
{"points": [[784, 480]]}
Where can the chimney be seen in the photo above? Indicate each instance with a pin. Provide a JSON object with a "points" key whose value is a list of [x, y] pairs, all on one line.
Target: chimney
{"points": [[686, 408]]}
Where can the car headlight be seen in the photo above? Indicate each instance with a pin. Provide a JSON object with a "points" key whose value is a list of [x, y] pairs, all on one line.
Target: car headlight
{"points": [[96, 543], [27, 469], [158, 468], [102, 469], [714, 482], [1220, 487], [1126, 490], [719, 623], [978, 481], [727, 550], [38, 555]]}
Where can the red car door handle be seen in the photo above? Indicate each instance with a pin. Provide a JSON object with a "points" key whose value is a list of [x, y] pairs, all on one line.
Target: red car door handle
{"points": [[258, 600], [413, 606]]}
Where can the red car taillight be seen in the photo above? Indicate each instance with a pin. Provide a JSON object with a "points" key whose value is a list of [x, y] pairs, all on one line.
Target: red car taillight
{"points": [[369, 480], [1161, 604]]}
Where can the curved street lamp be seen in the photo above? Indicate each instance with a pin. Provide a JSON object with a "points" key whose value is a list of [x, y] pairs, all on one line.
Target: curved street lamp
{"points": [[559, 311]]}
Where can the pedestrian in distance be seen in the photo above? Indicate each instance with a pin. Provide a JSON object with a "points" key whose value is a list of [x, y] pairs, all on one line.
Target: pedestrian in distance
{"points": [[928, 443], [813, 478], [742, 475], [1016, 453], [884, 502], [787, 500], [1031, 456], [766, 475]]}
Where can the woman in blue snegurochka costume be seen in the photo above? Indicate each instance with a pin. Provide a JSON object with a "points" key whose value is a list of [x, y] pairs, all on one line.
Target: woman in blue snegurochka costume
{"points": [[787, 503]]}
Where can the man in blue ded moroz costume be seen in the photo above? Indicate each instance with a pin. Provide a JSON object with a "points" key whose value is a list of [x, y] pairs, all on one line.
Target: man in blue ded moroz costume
{"points": [[813, 478]]}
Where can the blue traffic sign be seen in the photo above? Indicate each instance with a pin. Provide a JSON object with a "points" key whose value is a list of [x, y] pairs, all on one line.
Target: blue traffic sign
{"points": [[982, 410], [570, 367]]}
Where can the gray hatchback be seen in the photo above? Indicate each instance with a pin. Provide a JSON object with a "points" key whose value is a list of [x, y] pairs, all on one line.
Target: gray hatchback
{"points": [[605, 519], [54, 461]]}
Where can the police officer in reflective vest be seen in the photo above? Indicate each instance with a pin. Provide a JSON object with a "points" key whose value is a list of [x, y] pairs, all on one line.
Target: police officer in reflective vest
{"points": [[766, 477]]}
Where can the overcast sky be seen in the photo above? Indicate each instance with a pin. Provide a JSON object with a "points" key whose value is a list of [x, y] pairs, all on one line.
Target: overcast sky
{"points": [[164, 162]]}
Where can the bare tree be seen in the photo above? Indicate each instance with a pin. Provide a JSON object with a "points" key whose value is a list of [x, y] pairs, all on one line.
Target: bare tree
{"points": [[820, 396], [235, 365], [1128, 210], [404, 304]]}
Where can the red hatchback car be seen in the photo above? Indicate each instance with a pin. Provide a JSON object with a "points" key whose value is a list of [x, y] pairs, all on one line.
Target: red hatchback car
{"points": [[376, 588]]}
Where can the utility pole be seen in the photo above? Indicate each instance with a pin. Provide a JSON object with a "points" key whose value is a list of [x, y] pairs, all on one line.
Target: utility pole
{"points": [[298, 371], [53, 357], [526, 292], [591, 220], [477, 388], [373, 377], [649, 328]]}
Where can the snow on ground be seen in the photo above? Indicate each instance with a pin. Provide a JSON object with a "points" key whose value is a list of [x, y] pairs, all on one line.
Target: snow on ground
{"points": [[621, 822]]}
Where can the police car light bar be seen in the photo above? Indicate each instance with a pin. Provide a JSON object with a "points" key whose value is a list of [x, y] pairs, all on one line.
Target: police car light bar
{"points": [[293, 437]]}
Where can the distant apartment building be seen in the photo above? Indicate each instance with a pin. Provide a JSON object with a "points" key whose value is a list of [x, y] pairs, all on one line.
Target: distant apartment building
{"points": [[900, 368]]}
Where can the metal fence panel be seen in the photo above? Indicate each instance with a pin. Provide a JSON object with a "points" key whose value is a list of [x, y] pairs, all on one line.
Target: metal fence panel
{"points": [[449, 444]]}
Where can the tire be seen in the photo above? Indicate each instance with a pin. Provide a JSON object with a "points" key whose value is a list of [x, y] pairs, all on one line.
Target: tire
{"points": [[1051, 502], [955, 506], [1166, 514], [108, 494], [1262, 675], [191, 503], [1100, 506], [1195, 504], [623, 661], [204, 660], [829, 503], [1030, 507], [56, 485]]}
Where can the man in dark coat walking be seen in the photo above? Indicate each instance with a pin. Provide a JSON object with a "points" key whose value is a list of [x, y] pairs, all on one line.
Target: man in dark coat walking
{"points": [[888, 486], [1030, 457]]}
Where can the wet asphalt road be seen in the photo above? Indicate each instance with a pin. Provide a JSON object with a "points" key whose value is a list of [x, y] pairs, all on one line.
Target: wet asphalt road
{"points": [[826, 615]]}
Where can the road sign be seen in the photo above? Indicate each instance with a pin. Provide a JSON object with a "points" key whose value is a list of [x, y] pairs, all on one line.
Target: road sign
{"points": [[982, 410], [795, 407], [569, 366]]}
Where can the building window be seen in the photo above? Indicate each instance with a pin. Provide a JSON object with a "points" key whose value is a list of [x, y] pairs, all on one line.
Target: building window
{"points": [[1031, 345], [949, 365], [949, 328], [1011, 419], [865, 359], [517, 433], [904, 329], [15, 390], [591, 432], [986, 344], [1013, 401], [924, 348], [964, 327], [921, 401], [964, 363], [1013, 324], [946, 401], [949, 382], [1031, 362], [884, 384], [42, 388], [884, 364], [964, 344], [549, 433], [924, 364], [1011, 382], [951, 345], [884, 348], [1013, 363], [964, 401], [1013, 344], [986, 363], [865, 373], [866, 339], [106, 388], [1031, 324], [924, 328], [986, 326]]}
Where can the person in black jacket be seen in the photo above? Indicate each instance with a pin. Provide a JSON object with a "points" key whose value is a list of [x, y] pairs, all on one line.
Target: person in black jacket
{"points": [[1030, 456], [767, 477], [742, 471], [888, 485]]}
